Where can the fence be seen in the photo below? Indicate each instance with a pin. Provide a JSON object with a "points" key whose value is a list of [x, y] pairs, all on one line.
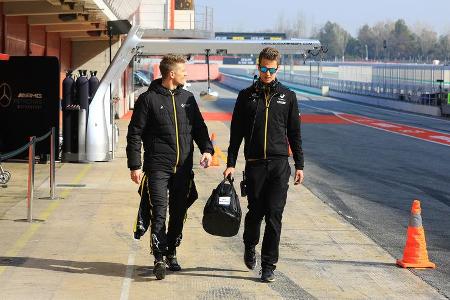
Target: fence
{"points": [[414, 93], [421, 89], [31, 162], [412, 83]]}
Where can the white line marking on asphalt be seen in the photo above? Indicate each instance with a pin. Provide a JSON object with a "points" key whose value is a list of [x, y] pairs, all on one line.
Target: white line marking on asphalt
{"points": [[380, 108], [385, 125], [319, 108], [440, 137], [395, 132], [129, 272]]}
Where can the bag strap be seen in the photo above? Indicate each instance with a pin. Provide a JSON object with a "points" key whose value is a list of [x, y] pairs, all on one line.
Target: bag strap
{"points": [[222, 183]]}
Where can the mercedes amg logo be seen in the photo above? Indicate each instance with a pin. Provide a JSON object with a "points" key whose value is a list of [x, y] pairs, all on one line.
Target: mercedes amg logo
{"points": [[5, 95]]}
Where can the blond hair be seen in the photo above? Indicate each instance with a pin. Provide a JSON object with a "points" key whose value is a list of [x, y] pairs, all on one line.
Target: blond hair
{"points": [[169, 62]]}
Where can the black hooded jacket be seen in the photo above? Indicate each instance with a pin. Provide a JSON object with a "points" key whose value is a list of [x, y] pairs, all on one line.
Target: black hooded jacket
{"points": [[275, 122], [166, 122]]}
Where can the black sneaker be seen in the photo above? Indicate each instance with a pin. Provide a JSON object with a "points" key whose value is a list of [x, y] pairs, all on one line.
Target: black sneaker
{"points": [[267, 274], [159, 268], [250, 257], [172, 263]]}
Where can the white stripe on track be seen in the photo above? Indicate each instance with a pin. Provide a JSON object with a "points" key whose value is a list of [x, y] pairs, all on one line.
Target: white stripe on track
{"points": [[129, 272]]}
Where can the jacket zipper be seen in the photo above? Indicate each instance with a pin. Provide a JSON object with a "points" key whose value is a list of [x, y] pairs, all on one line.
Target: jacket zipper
{"points": [[176, 131], [267, 99]]}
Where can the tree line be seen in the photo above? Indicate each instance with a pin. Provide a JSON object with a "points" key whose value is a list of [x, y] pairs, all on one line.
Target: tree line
{"points": [[385, 41]]}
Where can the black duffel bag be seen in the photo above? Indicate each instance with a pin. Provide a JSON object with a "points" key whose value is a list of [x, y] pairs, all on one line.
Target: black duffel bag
{"points": [[222, 212]]}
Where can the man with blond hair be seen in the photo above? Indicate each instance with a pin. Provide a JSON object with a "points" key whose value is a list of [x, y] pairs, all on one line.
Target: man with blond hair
{"points": [[167, 120], [266, 115]]}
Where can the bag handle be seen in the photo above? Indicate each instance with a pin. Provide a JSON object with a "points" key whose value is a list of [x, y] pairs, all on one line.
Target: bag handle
{"points": [[229, 178]]}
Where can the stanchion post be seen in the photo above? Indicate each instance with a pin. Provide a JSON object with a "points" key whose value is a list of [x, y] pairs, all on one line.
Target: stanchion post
{"points": [[31, 158], [52, 164]]}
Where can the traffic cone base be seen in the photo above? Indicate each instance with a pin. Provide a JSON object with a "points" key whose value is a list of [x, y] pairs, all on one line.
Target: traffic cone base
{"points": [[415, 254], [428, 264]]}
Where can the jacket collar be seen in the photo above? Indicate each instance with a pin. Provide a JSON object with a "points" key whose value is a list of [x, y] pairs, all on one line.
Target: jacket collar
{"points": [[274, 86], [156, 86]]}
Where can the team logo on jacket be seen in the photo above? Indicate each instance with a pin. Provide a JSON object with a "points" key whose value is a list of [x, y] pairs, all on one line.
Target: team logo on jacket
{"points": [[281, 99], [162, 107], [183, 105]]}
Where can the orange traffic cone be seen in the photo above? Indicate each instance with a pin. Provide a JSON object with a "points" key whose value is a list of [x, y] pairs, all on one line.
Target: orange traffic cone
{"points": [[415, 254], [215, 158]]}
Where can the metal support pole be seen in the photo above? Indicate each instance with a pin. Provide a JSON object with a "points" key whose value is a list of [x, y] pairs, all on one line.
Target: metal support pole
{"points": [[30, 194], [166, 14], [113, 133], [291, 66], [211, 18], [111, 108], [310, 75], [207, 65], [206, 18], [319, 73], [52, 164]]}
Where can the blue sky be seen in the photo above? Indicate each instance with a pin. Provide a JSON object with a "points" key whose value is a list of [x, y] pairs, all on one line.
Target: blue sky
{"points": [[251, 15]]}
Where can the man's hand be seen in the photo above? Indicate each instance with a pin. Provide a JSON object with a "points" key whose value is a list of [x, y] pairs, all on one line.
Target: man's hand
{"points": [[298, 177], [136, 176], [228, 171], [206, 160]]}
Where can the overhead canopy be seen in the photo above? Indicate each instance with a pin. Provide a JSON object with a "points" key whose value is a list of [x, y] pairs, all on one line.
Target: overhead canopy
{"points": [[197, 46]]}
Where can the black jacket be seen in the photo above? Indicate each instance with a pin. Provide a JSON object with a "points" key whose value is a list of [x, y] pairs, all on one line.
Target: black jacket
{"points": [[167, 137], [275, 124]]}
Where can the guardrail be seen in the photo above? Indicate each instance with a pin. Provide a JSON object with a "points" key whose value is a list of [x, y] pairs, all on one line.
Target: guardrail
{"points": [[239, 82], [413, 93], [31, 162]]}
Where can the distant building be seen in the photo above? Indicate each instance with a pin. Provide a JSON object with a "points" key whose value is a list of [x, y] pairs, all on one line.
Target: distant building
{"points": [[250, 36], [245, 59]]}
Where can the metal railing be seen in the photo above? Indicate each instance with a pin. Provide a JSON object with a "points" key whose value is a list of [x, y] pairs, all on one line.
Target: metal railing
{"points": [[423, 92], [413, 93], [31, 146]]}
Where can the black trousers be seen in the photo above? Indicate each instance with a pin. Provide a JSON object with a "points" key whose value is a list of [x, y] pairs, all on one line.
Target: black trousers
{"points": [[177, 185], [267, 185]]}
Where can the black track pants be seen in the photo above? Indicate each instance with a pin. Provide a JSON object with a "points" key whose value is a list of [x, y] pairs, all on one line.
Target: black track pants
{"points": [[160, 182], [267, 185]]}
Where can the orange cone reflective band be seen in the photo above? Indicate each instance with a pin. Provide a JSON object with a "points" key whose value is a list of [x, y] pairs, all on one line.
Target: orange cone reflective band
{"points": [[215, 158], [415, 254]]}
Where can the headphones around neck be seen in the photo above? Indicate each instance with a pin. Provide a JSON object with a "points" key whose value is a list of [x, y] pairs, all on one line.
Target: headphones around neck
{"points": [[259, 86]]}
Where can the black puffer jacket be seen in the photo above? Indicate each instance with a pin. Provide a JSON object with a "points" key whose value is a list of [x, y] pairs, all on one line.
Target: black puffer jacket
{"points": [[277, 122], [167, 136]]}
